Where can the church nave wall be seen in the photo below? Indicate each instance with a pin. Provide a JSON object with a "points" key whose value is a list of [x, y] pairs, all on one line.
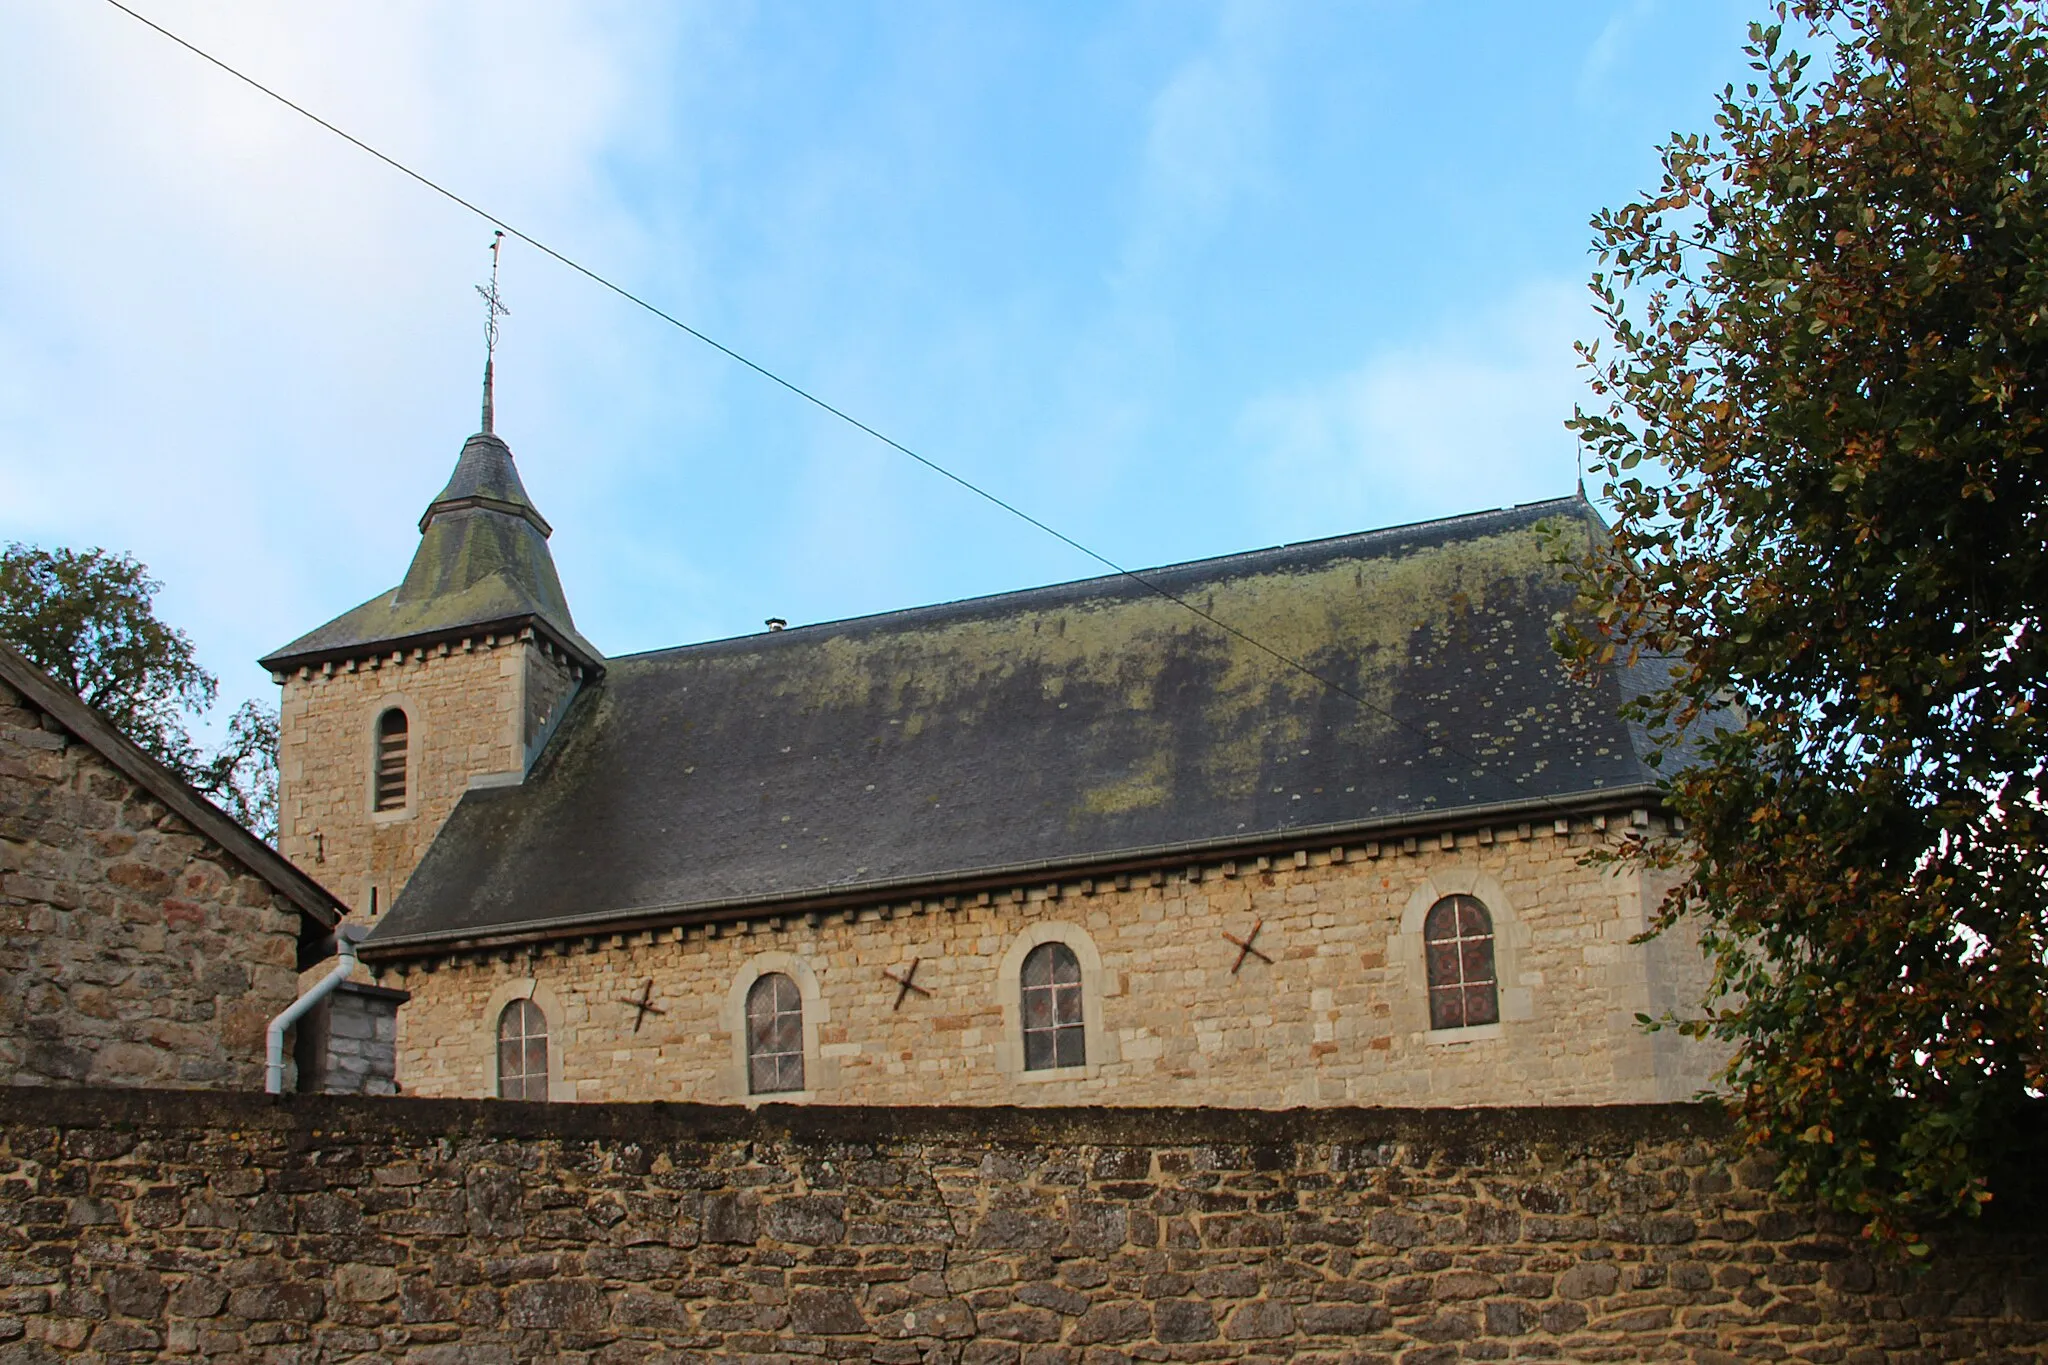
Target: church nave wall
{"points": [[1340, 1015]]}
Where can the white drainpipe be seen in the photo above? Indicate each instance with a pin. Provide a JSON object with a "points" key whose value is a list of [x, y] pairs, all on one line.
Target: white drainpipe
{"points": [[273, 1070]]}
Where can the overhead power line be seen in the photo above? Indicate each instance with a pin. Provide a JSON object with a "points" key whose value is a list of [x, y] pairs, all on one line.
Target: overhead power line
{"points": [[805, 394]]}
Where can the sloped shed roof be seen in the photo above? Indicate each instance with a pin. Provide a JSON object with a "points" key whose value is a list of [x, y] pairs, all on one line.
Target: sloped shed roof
{"points": [[1061, 726]]}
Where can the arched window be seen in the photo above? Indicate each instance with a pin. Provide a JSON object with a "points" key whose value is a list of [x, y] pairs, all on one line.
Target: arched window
{"points": [[1051, 985], [1458, 938], [522, 1052], [775, 1035], [391, 744]]}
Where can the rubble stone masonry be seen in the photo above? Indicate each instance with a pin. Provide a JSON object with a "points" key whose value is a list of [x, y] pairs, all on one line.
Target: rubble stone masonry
{"points": [[133, 951], [473, 707], [142, 1225], [1177, 1014]]}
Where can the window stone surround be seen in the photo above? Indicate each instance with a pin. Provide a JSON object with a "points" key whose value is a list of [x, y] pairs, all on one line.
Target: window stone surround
{"points": [[820, 1071], [1098, 1044], [550, 1006], [1510, 937]]}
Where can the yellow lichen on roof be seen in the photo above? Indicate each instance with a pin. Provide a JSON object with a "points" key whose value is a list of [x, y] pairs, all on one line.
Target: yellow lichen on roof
{"points": [[1354, 621]]}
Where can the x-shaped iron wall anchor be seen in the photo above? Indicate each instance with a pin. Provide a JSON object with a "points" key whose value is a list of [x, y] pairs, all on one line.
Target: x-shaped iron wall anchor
{"points": [[1245, 949], [906, 983], [644, 1004]]}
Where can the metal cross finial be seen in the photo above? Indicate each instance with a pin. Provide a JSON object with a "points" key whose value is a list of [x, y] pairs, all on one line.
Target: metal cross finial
{"points": [[494, 308]]}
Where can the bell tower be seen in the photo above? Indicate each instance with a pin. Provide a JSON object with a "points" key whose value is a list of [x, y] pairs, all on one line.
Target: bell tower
{"points": [[453, 679]]}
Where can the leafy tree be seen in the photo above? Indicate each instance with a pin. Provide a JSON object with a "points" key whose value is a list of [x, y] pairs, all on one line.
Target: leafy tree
{"points": [[241, 776], [1821, 424], [88, 618]]}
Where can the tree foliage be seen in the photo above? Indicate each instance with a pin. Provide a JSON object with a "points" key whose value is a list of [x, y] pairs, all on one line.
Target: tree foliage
{"points": [[241, 775], [88, 618], [1820, 419]]}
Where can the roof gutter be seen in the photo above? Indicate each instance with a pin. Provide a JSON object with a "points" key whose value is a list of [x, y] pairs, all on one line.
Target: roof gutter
{"points": [[724, 909]]}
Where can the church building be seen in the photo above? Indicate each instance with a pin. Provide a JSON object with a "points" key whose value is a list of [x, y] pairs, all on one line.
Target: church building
{"points": [[1300, 826]]}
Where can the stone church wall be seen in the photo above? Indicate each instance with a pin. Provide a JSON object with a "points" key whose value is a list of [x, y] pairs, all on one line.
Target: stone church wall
{"points": [[148, 1225], [1338, 1016], [467, 705], [133, 951]]}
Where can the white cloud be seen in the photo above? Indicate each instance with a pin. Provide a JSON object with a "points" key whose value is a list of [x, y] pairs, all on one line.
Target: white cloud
{"points": [[1203, 146], [163, 216], [1467, 419], [1206, 137], [1604, 62]]}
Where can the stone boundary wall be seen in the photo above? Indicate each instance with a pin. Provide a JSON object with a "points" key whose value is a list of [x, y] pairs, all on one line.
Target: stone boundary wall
{"points": [[160, 1225]]}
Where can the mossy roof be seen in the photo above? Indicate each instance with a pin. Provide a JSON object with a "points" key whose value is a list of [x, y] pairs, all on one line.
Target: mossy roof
{"points": [[482, 562], [1059, 727]]}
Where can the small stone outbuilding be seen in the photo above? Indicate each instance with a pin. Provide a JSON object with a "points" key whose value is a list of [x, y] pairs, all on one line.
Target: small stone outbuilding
{"points": [[146, 938]]}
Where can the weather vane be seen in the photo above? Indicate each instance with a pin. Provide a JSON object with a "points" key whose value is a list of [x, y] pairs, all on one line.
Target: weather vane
{"points": [[494, 308]]}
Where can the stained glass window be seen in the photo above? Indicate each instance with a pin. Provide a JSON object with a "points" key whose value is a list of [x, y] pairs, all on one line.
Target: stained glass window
{"points": [[775, 1035], [1053, 1035], [522, 1052], [1458, 938]]}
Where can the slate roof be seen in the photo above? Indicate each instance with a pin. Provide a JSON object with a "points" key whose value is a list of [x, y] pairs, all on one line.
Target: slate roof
{"points": [[319, 910], [483, 562], [1058, 727]]}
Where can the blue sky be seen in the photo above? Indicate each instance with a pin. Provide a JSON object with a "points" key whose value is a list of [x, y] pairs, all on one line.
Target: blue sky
{"points": [[1179, 278]]}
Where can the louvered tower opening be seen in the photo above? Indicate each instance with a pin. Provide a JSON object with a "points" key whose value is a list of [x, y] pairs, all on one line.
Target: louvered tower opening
{"points": [[391, 746]]}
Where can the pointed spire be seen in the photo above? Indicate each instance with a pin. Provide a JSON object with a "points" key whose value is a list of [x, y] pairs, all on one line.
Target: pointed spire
{"points": [[485, 476], [482, 563], [494, 308], [482, 566]]}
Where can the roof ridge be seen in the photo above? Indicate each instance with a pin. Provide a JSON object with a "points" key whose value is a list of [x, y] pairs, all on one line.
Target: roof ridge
{"points": [[1567, 502]]}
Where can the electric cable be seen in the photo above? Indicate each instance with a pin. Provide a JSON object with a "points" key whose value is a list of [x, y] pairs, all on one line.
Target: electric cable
{"points": [[799, 391]]}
